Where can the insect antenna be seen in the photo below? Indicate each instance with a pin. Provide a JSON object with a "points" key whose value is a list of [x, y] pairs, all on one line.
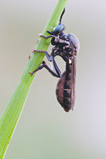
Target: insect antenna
{"points": [[61, 16]]}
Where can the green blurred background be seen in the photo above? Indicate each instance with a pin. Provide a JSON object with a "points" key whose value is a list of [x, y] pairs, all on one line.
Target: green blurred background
{"points": [[44, 130]]}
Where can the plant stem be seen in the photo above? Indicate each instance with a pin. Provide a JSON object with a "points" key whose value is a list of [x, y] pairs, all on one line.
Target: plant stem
{"points": [[13, 110]]}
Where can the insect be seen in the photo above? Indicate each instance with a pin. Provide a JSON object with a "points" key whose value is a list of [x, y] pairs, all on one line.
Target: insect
{"points": [[65, 46]]}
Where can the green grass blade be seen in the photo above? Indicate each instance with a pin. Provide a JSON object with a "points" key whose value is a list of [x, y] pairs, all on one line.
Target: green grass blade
{"points": [[11, 114]]}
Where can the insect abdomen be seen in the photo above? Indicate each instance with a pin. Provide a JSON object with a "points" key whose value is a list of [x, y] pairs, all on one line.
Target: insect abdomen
{"points": [[63, 92]]}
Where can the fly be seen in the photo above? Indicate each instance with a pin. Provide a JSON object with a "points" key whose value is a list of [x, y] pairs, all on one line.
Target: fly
{"points": [[65, 46]]}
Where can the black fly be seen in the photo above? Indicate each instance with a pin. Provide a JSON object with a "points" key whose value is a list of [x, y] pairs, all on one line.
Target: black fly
{"points": [[66, 46]]}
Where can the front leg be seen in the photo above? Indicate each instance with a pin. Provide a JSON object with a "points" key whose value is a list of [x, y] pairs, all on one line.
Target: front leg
{"points": [[47, 37]]}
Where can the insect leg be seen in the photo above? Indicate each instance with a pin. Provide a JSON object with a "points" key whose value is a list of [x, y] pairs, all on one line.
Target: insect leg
{"points": [[56, 68], [44, 65], [46, 37], [49, 57]]}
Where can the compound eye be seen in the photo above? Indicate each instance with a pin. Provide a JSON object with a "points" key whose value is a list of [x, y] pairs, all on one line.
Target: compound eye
{"points": [[58, 29]]}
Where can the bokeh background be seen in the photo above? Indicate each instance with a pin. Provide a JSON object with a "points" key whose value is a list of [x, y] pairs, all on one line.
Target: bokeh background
{"points": [[44, 130]]}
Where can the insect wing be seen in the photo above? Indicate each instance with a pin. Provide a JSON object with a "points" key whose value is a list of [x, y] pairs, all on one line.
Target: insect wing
{"points": [[73, 81]]}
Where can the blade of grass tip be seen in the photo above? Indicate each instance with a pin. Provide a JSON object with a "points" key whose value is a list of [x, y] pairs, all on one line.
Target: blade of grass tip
{"points": [[13, 110]]}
